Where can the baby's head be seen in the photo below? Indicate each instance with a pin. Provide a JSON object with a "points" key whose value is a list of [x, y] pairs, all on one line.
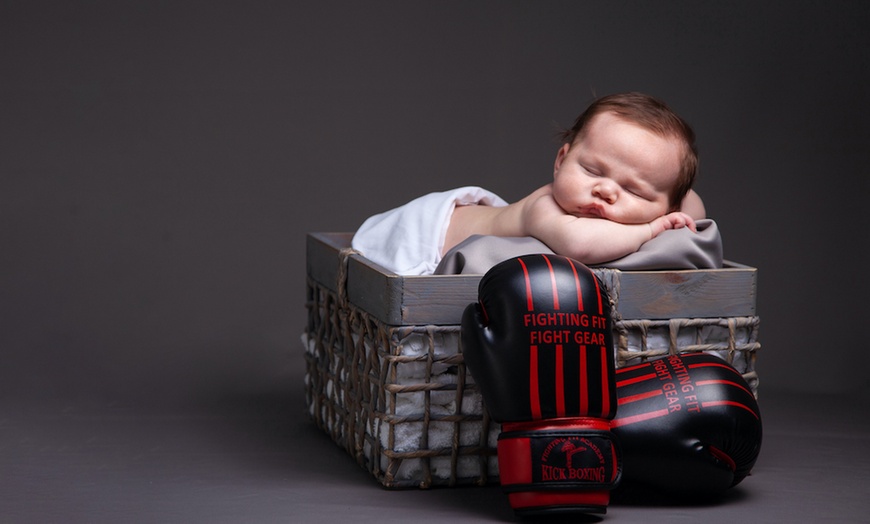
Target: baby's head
{"points": [[651, 114]]}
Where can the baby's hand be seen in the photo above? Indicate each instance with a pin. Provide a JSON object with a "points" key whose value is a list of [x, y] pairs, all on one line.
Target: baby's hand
{"points": [[675, 220]]}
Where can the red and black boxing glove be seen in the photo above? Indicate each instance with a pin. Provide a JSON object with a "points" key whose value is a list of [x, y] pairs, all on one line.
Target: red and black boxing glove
{"points": [[539, 346], [687, 424]]}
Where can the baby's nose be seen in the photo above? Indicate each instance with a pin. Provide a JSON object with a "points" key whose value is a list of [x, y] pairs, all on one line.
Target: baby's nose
{"points": [[606, 190]]}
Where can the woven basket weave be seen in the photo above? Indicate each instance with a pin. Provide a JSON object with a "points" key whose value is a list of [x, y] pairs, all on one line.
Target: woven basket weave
{"points": [[356, 386]]}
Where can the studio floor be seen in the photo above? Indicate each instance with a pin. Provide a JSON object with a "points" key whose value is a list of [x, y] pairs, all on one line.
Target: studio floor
{"points": [[260, 459]]}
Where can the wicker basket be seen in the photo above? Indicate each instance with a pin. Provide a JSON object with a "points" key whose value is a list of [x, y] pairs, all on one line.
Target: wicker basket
{"points": [[385, 377]]}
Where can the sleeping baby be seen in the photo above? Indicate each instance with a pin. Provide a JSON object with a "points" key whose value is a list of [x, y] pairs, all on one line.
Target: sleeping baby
{"points": [[622, 176]]}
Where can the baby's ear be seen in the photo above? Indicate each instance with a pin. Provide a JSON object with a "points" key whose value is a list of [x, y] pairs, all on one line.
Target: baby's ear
{"points": [[560, 157]]}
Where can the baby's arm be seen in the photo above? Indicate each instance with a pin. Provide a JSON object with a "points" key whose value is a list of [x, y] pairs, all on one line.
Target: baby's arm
{"points": [[693, 206], [593, 240]]}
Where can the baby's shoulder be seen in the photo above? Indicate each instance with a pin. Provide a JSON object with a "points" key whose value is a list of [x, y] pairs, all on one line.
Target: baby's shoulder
{"points": [[535, 197], [541, 198], [542, 191]]}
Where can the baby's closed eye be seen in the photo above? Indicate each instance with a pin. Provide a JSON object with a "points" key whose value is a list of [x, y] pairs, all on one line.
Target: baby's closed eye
{"points": [[639, 193], [591, 171]]}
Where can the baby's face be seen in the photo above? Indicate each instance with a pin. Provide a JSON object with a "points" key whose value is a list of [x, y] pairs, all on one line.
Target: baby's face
{"points": [[617, 170]]}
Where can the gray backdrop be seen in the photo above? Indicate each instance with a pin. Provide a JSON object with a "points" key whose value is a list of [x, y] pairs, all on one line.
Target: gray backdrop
{"points": [[161, 163]]}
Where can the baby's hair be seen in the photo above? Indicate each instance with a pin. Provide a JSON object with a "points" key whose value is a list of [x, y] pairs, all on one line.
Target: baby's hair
{"points": [[654, 115]]}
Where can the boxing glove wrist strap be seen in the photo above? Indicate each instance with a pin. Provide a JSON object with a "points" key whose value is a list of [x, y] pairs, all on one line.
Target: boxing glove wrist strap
{"points": [[562, 454]]}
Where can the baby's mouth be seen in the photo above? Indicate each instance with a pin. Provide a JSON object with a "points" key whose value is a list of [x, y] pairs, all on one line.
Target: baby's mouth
{"points": [[591, 212]]}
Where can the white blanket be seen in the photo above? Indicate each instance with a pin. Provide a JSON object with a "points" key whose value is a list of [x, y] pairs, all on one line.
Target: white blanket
{"points": [[409, 239]]}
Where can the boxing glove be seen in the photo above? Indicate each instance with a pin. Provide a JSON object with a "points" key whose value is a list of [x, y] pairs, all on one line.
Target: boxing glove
{"points": [[687, 424], [539, 346]]}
